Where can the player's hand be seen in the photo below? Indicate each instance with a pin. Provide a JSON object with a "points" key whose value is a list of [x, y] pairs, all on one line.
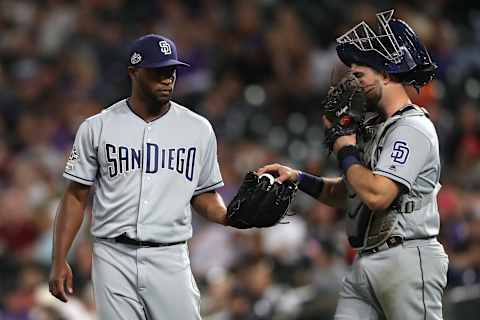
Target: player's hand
{"points": [[61, 276], [283, 173], [341, 141]]}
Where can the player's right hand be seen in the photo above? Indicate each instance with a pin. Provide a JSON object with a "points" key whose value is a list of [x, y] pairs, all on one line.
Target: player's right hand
{"points": [[283, 173], [61, 276]]}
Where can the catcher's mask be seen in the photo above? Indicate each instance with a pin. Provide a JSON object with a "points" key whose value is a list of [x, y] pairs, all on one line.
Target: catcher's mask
{"points": [[395, 49]]}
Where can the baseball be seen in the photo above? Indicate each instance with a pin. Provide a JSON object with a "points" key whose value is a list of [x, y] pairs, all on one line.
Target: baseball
{"points": [[269, 176]]}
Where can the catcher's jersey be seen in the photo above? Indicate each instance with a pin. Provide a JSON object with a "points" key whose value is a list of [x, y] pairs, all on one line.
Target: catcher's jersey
{"points": [[144, 173], [404, 149]]}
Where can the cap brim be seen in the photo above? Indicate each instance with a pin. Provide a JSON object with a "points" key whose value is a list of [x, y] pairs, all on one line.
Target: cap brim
{"points": [[164, 64]]}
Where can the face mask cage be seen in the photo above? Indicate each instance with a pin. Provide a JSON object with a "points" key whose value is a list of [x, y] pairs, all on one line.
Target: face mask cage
{"points": [[365, 39]]}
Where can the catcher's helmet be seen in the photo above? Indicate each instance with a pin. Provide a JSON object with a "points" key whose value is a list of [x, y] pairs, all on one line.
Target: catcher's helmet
{"points": [[395, 49]]}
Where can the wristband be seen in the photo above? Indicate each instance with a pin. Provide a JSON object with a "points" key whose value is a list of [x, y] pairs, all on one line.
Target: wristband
{"points": [[310, 184], [348, 156]]}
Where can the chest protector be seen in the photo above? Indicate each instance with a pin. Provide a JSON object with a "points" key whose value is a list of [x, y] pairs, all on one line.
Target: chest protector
{"points": [[367, 229]]}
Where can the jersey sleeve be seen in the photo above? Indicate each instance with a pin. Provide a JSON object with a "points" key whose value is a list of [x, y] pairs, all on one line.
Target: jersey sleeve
{"points": [[403, 155], [210, 176], [82, 164]]}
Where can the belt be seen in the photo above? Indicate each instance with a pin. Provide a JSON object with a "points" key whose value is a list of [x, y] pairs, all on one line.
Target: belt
{"points": [[126, 240], [392, 242]]}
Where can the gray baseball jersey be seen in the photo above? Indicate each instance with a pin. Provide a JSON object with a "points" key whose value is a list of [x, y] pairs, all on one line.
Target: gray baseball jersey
{"points": [[145, 174], [404, 149], [406, 281], [409, 155]]}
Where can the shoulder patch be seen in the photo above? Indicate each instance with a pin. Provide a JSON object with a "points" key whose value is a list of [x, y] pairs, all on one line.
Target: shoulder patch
{"points": [[72, 159], [400, 152]]}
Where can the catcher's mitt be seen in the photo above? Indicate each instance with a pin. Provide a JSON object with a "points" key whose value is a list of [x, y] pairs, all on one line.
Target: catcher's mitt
{"points": [[260, 202], [344, 107]]}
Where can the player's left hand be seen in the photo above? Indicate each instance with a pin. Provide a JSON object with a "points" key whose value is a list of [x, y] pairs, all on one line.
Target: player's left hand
{"points": [[61, 277], [342, 141], [343, 112]]}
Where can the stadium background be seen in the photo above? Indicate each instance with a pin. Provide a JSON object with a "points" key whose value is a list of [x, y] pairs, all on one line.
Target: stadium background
{"points": [[259, 71]]}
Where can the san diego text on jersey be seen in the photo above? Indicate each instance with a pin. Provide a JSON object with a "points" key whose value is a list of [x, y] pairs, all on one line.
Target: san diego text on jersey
{"points": [[123, 159]]}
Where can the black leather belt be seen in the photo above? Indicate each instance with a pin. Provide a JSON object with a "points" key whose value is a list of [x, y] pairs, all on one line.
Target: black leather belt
{"points": [[126, 240], [392, 242]]}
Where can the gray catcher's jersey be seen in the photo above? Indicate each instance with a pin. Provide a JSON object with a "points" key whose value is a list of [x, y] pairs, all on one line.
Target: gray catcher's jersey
{"points": [[404, 149]]}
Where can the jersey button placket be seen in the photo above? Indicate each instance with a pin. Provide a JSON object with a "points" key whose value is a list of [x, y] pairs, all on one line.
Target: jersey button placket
{"points": [[149, 129], [144, 184]]}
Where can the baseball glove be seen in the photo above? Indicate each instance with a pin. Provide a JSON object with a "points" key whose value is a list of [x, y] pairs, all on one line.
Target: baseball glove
{"points": [[260, 202], [344, 107]]}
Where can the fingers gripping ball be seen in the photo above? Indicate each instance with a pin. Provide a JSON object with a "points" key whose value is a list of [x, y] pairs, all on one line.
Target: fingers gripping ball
{"points": [[260, 202], [344, 107]]}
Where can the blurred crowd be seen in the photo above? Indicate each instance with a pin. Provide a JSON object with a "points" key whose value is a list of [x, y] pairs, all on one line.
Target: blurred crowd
{"points": [[260, 69]]}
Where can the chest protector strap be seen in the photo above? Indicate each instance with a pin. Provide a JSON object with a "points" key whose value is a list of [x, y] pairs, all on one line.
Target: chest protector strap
{"points": [[366, 229]]}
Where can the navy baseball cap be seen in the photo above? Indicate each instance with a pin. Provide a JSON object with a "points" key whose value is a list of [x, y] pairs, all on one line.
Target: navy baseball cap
{"points": [[154, 51]]}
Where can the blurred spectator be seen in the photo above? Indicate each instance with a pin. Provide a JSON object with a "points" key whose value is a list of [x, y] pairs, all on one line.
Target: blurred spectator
{"points": [[262, 293]]}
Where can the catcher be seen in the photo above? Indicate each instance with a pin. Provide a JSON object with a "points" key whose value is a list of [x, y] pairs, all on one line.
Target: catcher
{"points": [[390, 167]]}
